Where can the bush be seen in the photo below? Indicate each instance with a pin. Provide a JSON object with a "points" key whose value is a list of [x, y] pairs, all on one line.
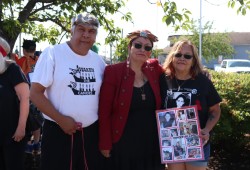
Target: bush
{"points": [[234, 123]]}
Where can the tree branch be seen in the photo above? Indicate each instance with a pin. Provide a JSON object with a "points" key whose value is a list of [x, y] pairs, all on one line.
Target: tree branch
{"points": [[1, 11], [44, 7], [55, 20], [11, 10], [23, 15]]}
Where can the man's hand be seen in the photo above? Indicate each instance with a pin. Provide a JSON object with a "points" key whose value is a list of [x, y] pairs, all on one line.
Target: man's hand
{"points": [[68, 124]]}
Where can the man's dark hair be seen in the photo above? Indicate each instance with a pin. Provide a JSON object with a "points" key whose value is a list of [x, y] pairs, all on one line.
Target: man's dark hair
{"points": [[29, 45]]}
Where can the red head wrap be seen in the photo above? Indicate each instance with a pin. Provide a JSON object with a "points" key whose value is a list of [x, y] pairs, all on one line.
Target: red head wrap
{"points": [[142, 33], [4, 53]]}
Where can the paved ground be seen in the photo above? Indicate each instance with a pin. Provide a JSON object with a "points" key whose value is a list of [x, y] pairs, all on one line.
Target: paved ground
{"points": [[234, 159]]}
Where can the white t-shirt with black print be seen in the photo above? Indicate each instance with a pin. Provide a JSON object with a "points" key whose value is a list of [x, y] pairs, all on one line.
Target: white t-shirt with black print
{"points": [[72, 81]]}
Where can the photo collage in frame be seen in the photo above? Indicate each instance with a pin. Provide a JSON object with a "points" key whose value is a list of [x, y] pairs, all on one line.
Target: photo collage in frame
{"points": [[179, 131]]}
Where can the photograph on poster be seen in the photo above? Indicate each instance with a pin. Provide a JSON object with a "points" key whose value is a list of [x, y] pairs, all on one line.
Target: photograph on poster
{"points": [[165, 133], [194, 153], [167, 119], [174, 132], [166, 142], [193, 141], [190, 113], [167, 154], [181, 115], [179, 148]]}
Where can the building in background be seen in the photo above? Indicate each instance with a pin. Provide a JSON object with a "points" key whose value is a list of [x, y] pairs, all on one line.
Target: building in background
{"points": [[240, 41]]}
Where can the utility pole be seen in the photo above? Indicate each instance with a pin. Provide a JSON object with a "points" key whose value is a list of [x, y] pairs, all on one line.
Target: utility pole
{"points": [[200, 34], [20, 36], [110, 45]]}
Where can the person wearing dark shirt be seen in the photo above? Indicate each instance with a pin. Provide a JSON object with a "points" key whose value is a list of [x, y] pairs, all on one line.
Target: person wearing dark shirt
{"points": [[129, 96], [184, 74], [14, 110], [169, 121]]}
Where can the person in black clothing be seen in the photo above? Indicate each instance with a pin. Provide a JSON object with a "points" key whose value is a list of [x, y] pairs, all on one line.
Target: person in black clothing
{"points": [[128, 100], [183, 70], [169, 120], [14, 109]]}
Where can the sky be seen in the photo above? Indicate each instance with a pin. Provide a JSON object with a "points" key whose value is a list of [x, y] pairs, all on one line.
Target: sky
{"points": [[149, 16]]}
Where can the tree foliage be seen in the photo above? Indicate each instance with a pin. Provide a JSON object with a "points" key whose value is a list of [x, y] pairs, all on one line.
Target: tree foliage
{"points": [[213, 44], [18, 16], [243, 5], [121, 51], [180, 18]]}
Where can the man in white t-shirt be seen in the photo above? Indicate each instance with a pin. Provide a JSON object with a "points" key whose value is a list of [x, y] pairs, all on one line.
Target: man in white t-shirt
{"points": [[65, 87]]}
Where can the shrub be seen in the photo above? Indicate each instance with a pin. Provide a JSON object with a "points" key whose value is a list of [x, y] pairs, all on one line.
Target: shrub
{"points": [[234, 123]]}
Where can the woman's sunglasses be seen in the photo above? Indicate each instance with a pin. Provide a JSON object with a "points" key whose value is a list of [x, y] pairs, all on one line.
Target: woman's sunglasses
{"points": [[139, 46], [186, 56]]}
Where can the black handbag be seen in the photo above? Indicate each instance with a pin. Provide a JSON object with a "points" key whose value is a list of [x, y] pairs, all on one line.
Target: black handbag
{"points": [[35, 119]]}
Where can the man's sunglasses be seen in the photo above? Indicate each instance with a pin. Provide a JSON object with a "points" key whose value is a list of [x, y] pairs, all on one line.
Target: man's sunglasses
{"points": [[139, 46], [186, 56]]}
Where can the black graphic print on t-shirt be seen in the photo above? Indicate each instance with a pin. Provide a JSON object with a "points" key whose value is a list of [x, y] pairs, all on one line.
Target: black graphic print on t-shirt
{"points": [[84, 81]]}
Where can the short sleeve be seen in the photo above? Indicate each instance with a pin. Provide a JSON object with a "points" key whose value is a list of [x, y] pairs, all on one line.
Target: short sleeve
{"points": [[44, 69], [16, 75], [213, 96]]}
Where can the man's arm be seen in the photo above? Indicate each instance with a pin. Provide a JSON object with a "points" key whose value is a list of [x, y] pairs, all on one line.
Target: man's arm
{"points": [[37, 96]]}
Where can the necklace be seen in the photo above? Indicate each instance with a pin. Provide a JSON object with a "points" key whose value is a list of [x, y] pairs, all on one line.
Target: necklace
{"points": [[143, 95], [179, 85]]}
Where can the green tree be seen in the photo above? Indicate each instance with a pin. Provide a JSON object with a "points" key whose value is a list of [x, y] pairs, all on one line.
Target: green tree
{"points": [[121, 51], [156, 53], [180, 19], [213, 44], [242, 5], [18, 16]]}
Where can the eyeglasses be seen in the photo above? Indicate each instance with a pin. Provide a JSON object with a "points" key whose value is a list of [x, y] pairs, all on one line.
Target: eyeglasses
{"points": [[186, 56], [139, 46]]}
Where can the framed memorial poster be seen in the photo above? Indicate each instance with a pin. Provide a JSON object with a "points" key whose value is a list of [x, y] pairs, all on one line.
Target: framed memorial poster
{"points": [[178, 131]]}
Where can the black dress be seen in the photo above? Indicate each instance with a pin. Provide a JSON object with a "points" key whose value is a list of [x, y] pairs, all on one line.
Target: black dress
{"points": [[138, 148]]}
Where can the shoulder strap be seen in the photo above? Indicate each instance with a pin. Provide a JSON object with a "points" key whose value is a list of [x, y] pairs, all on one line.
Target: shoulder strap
{"points": [[169, 82]]}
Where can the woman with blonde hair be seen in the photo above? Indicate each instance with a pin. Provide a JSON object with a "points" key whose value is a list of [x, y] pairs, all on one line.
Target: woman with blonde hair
{"points": [[184, 74]]}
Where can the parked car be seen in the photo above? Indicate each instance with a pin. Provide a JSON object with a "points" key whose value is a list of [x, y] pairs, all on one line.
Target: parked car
{"points": [[235, 66]]}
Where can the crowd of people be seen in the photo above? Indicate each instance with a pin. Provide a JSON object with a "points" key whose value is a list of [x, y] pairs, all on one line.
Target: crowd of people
{"points": [[100, 117]]}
